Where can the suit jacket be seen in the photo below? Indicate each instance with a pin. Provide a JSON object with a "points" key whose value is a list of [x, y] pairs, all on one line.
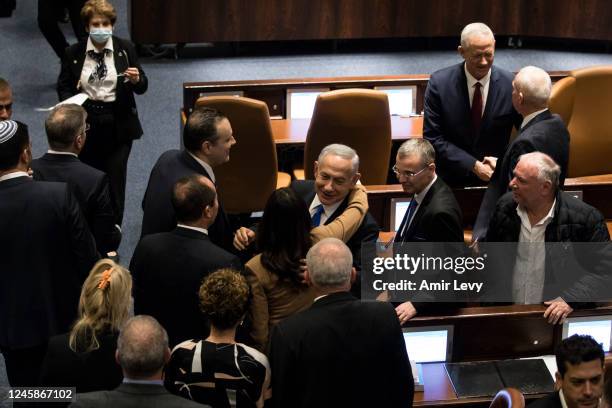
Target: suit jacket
{"points": [[447, 124], [91, 189], [550, 401], [545, 133], [134, 395], [367, 232], [157, 205], [47, 252], [168, 269], [125, 112], [90, 371], [438, 218], [341, 353]]}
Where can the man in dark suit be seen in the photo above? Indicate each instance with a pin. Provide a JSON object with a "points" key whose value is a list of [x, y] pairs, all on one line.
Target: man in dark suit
{"points": [[168, 267], [142, 352], [341, 352], [66, 133], [468, 111], [47, 252], [336, 175], [433, 214], [49, 12], [207, 138], [540, 131], [579, 377]]}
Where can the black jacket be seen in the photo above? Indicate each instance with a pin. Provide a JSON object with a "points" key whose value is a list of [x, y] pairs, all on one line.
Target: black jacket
{"points": [[574, 222], [545, 133], [125, 113], [91, 189]]}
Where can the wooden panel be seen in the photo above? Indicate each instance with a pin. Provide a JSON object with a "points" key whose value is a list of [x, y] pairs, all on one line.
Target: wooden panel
{"points": [[189, 21]]}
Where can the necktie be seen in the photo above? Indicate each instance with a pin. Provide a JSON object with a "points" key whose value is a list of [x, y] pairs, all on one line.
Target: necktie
{"points": [[100, 72], [477, 108], [316, 217], [406, 221]]}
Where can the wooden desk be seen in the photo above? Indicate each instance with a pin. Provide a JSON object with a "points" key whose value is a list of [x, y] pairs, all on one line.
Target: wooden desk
{"points": [[294, 131]]}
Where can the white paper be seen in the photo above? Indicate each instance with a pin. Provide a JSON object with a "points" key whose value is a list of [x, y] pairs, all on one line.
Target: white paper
{"points": [[78, 99]]}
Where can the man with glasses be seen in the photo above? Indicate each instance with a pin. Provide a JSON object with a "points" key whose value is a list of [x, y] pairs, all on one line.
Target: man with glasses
{"points": [[468, 137], [6, 100], [433, 214], [66, 133]]}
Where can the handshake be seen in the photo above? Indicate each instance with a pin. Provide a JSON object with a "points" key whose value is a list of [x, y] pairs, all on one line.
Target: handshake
{"points": [[484, 169]]}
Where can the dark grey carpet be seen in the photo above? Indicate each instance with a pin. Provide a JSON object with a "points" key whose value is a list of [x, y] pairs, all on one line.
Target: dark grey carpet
{"points": [[30, 65]]}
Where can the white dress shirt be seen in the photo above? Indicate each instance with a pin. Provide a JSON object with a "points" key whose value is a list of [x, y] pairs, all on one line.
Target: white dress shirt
{"points": [[105, 90], [202, 230], [206, 166], [418, 198], [51, 151], [13, 175], [328, 210], [484, 90], [530, 117], [529, 269]]}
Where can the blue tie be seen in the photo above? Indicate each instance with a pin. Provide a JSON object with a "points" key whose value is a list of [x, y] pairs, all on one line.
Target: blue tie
{"points": [[316, 217], [409, 213]]}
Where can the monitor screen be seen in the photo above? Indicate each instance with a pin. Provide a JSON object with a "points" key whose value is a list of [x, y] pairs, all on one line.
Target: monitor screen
{"points": [[399, 206], [401, 99], [428, 344], [301, 102], [598, 327]]}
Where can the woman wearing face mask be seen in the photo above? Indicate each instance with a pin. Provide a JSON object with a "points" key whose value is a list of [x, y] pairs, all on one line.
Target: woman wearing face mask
{"points": [[107, 70]]}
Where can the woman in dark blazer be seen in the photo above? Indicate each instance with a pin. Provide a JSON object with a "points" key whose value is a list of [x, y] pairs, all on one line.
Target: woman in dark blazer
{"points": [[106, 69], [85, 357]]}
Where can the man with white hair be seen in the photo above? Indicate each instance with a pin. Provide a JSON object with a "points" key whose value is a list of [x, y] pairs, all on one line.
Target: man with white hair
{"points": [[468, 111], [340, 352], [538, 212], [540, 131]]}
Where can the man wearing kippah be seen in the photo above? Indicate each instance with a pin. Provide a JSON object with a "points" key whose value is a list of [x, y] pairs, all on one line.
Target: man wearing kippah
{"points": [[47, 251]]}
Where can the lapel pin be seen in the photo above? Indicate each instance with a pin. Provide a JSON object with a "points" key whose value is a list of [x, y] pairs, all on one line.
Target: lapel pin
{"points": [[74, 61]]}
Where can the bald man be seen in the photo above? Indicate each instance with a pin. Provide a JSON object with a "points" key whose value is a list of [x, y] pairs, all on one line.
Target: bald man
{"points": [[540, 131]]}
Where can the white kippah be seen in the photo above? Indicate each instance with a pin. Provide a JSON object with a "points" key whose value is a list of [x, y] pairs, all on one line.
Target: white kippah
{"points": [[8, 128]]}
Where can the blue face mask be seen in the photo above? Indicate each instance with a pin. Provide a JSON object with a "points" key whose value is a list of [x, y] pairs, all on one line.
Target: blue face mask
{"points": [[100, 35]]}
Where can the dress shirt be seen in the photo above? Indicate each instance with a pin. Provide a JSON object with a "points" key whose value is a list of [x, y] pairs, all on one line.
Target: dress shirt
{"points": [[562, 399], [13, 175], [51, 151], [206, 166], [145, 382], [104, 91], [328, 210], [202, 230], [529, 270], [529, 117], [484, 81]]}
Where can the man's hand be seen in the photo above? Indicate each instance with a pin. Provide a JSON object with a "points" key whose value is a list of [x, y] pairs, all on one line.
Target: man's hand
{"points": [[557, 311], [132, 74], [405, 312], [482, 170], [490, 161], [243, 237]]}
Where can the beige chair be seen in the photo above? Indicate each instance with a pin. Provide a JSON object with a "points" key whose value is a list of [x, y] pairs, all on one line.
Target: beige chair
{"points": [[358, 118], [584, 101], [508, 398], [247, 180]]}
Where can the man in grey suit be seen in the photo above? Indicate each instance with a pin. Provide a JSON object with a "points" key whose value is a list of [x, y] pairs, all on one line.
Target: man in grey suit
{"points": [[142, 352]]}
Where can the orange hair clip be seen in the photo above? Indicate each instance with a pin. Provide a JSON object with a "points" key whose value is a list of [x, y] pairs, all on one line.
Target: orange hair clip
{"points": [[105, 280]]}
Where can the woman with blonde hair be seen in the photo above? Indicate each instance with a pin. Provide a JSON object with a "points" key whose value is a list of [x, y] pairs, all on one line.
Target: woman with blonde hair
{"points": [[85, 357]]}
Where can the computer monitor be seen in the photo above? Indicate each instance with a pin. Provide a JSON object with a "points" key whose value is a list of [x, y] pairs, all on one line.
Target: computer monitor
{"points": [[399, 206], [598, 327], [301, 102], [429, 344], [402, 99]]}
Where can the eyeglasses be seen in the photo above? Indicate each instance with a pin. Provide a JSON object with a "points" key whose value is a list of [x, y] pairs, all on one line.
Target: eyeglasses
{"points": [[407, 174], [86, 129], [7, 107]]}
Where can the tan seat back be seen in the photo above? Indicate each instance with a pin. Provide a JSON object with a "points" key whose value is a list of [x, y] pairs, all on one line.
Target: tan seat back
{"points": [[247, 180], [590, 119], [358, 118]]}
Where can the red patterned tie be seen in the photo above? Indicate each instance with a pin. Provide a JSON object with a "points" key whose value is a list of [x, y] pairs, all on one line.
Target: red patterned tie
{"points": [[477, 108]]}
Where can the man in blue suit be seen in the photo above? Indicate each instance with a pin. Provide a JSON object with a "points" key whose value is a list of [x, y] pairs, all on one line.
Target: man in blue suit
{"points": [[468, 111]]}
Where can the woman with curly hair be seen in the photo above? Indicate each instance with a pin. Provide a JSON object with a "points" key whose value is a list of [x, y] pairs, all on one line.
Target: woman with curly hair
{"points": [[218, 371], [85, 357]]}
